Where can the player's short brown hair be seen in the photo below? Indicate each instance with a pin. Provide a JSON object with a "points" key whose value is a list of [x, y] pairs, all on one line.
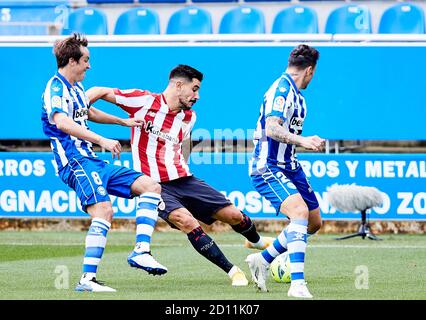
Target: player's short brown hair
{"points": [[303, 56], [186, 72], [68, 48]]}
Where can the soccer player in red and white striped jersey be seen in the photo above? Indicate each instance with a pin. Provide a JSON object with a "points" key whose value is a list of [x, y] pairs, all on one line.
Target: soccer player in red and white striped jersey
{"points": [[156, 147], [168, 119]]}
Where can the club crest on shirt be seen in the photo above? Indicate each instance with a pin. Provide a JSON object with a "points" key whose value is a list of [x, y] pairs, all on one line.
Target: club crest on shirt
{"points": [[101, 190], [56, 102], [278, 104]]}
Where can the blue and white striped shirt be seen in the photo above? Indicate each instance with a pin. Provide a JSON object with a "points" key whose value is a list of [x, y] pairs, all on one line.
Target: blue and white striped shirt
{"points": [[61, 96], [284, 100]]}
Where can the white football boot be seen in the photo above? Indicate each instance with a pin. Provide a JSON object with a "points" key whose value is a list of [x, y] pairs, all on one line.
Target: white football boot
{"points": [[238, 277], [92, 285], [299, 290], [259, 271], [146, 261]]}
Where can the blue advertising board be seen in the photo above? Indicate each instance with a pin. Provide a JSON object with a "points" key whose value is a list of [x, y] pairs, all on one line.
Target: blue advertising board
{"points": [[29, 187], [355, 86]]}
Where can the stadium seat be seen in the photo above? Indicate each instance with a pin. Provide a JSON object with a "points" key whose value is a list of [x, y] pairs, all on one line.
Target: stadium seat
{"points": [[402, 18], [296, 19], [200, 1], [86, 20], [266, 0], [349, 19], [109, 1], [161, 1], [138, 21], [36, 16], [243, 19], [190, 20]]}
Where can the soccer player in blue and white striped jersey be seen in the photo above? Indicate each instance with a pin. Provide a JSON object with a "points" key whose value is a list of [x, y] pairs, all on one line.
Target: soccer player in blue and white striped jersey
{"points": [[65, 112], [278, 176]]}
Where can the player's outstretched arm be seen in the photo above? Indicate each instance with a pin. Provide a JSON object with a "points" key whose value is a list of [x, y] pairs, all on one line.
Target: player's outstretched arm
{"points": [[99, 116], [67, 125], [104, 93], [276, 131]]}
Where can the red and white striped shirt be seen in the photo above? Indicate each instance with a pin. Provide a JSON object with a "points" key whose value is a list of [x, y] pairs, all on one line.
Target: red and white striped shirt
{"points": [[157, 146]]}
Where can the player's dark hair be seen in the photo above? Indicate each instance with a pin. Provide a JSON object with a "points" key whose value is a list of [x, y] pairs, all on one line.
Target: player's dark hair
{"points": [[186, 72], [303, 56], [69, 48]]}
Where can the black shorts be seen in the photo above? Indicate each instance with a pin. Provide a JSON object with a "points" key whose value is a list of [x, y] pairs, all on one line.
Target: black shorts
{"points": [[193, 194]]}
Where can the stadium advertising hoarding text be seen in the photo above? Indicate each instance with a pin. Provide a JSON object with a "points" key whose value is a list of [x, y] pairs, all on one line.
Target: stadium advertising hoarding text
{"points": [[29, 187]]}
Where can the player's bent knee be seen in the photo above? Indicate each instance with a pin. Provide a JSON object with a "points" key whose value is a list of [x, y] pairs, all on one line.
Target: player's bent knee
{"points": [[297, 212], [101, 210], [145, 184], [230, 215], [236, 217], [183, 221], [315, 221], [154, 187]]}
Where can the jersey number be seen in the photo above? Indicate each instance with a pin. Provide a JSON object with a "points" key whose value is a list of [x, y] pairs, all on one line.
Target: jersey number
{"points": [[96, 178]]}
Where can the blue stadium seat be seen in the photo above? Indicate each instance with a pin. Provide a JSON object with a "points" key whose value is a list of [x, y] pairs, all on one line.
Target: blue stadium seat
{"points": [[35, 16], [243, 19], [195, 1], [349, 19], [162, 1], [296, 19], [267, 0], [86, 20], [190, 20], [109, 1], [138, 21], [402, 18]]}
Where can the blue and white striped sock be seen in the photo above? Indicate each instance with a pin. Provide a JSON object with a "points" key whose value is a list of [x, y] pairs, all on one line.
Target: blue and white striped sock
{"points": [[95, 245], [278, 246], [296, 244], [146, 218]]}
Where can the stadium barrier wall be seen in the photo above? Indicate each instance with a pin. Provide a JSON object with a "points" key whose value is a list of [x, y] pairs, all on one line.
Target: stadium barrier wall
{"points": [[29, 187], [361, 90]]}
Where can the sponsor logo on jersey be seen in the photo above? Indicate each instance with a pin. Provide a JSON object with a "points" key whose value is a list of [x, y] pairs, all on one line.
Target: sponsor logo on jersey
{"points": [[149, 128], [81, 114], [296, 123], [278, 104]]}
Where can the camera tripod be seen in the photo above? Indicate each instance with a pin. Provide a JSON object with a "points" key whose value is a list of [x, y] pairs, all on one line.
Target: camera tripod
{"points": [[363, 230]]}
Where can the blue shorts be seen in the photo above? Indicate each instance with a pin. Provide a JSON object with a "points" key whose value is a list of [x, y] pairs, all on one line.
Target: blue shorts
{"points": [[193, 194], [94, 180], [276, 184]]}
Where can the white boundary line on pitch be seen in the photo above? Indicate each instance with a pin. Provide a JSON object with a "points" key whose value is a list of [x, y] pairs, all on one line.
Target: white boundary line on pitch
{"points": [[331, 246]]}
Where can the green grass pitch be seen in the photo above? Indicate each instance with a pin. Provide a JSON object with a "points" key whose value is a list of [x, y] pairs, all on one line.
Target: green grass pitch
{"points": [[47, 265]]}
